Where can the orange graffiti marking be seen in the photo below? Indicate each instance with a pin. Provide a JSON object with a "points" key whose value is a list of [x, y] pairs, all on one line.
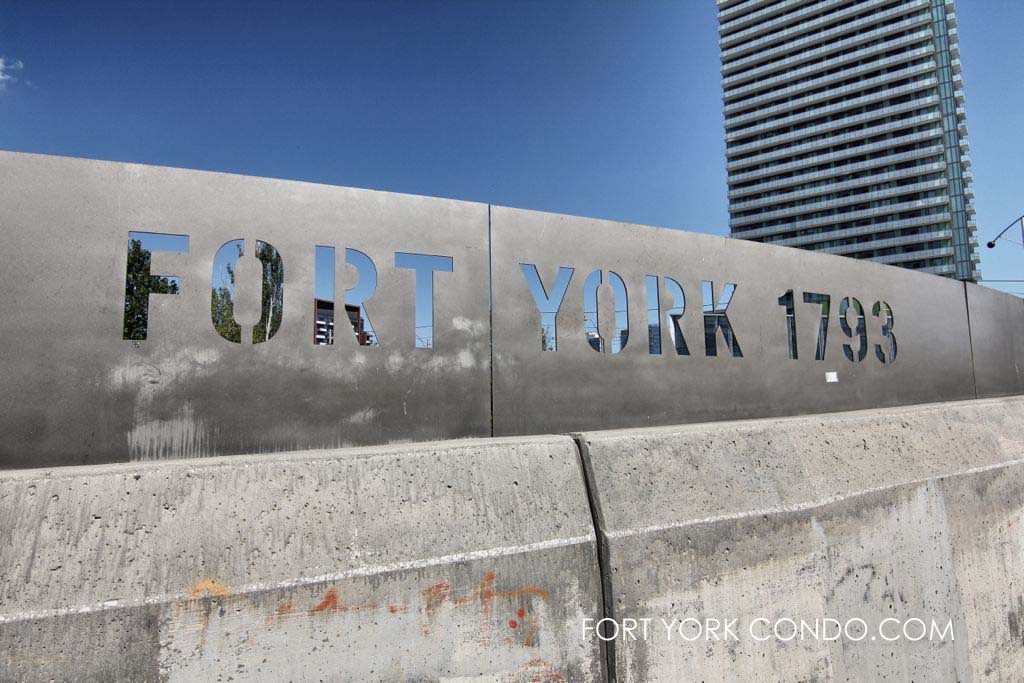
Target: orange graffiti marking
{"points": [[434, 597], [485, 595], [523, 623], [329, 603], [370, 606], [208, 587], [546, 675]]}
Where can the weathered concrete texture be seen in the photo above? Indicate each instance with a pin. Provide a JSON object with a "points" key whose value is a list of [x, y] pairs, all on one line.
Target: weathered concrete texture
{"points": [[424, 562], [900, 513]]}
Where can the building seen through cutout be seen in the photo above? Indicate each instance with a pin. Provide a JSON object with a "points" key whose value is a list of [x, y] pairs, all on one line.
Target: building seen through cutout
{"points": [[323, 325]]}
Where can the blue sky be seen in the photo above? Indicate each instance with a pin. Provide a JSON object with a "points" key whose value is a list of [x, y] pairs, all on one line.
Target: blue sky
{"points": [[607, 109]]}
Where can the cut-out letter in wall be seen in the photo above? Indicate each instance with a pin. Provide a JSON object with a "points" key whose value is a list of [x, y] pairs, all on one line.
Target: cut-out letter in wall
{"points": [[887, 334], [826, 303], [547, 304], [140, 282], [787, 301], [591, 318], [862, 331], [222, 301], [673, 315], [272, 295], [355, 297], [425, 266], [716, 317], [358, 294]]}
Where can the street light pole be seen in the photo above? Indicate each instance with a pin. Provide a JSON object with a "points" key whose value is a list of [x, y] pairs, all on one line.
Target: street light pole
{"points": [[992, 243]]}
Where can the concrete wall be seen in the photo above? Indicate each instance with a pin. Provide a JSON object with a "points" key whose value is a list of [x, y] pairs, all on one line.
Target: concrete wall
{"points": [[483, 559], [454, 561], [906, 513], [478, 560]]}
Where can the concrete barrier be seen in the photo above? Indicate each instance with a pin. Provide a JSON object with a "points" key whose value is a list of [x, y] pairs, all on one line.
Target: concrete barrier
{"points": [[478, 560], [433, 561], [898, 514]]}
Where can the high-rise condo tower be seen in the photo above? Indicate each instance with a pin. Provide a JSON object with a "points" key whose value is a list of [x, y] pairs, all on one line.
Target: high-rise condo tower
{"points": [[846, 132]]}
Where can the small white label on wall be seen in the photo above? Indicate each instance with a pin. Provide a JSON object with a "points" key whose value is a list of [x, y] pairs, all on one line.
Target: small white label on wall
{"points": [[831, 376]]}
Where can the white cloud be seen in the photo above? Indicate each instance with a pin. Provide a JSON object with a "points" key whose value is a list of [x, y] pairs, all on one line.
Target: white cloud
{"points": [[8, 67]]}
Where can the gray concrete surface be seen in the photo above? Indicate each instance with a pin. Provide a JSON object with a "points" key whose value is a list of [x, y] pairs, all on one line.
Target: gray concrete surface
{"points": [[901, 513], [440, 561], [478, 559]]}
